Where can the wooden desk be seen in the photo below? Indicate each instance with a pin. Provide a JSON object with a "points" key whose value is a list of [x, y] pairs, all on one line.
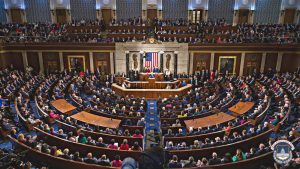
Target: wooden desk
{"points": [[182, 36], [63, 106], [96, 120], [244, 144], [241, 108], [130, 27], [58, 162], [151, 93], [157, 76], [126, 36], [174, 28], [151, 84], [209, 120], [120, 79]]}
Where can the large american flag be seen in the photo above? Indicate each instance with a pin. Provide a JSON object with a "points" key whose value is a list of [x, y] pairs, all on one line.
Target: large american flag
{"points": [[151, 60]]}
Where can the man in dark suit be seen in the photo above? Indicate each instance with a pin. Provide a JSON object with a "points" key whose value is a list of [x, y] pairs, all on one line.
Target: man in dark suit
{"points": [[214, 160], [89, 159], [104, 161], [97, 72], [261, 150], [174, 162], [2, 101], [155, 69], [100, 142]]}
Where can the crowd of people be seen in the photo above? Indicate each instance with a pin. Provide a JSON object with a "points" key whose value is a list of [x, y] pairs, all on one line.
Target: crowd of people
{"points": [[209, 94], [65, 153], [216, 159], [211, 31]]}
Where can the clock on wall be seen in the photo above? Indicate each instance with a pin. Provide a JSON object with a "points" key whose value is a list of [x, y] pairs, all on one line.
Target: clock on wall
{"points": [[151, 40]]}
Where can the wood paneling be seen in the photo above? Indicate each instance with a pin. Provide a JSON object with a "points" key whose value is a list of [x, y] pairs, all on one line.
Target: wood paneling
{"points": [[289, 15], [16, 15], [54, 46], [85, 54], [102, 60], [13, 58], [244, 47], [151, 14], [252, 61], [243, 16], [107, 15], [290, 62], [51, 62], [2, 61], [201, 61], [16, 59], [61, 15], [271, 61], [238, 60], [33, 61]]}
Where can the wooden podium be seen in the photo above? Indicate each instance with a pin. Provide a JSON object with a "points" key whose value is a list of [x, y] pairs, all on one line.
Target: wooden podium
{"points": [[145, 76]]}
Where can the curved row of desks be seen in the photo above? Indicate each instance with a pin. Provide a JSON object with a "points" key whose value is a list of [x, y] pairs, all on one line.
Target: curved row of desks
{"points": [[106, 137], [55, 162], [84, 148], [244, 145]]}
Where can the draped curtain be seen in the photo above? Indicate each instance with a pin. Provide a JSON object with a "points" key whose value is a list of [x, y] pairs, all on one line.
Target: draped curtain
{"points": [[83, 9], [267, 11], [2, 12], [175, 9], [128, 9], [37, 11], [221, 9]]}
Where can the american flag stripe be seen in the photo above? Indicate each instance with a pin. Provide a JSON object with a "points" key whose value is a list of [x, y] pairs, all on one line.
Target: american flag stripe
{"points": [[154, 61]]}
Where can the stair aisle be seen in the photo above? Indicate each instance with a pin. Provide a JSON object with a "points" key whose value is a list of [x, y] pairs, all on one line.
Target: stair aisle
{"points": [[152, 122]]}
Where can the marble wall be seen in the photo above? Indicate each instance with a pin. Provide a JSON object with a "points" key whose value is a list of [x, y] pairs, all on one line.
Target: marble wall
{"points": [[167, 48]]}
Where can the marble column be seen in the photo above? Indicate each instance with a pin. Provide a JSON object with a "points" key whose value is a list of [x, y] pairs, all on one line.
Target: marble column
{"points": [[25, 60], [242, 64], [279, 59], [61, 61], [91, 56], [191, 62], [112, 62], [263, 62], [212, 60], [41, 62]]}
